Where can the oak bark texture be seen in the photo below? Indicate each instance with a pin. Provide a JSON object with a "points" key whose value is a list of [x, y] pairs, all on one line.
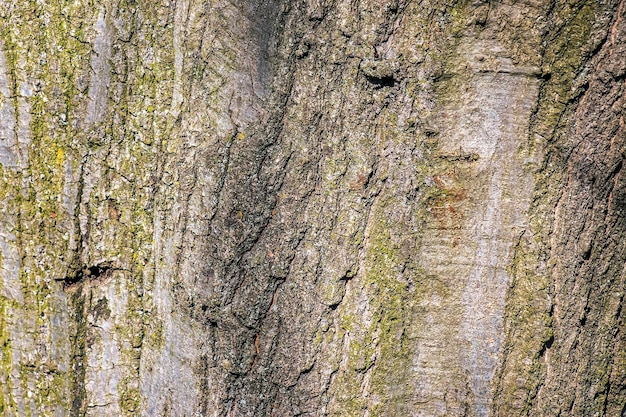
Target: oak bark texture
{"points": [[312, 207]]}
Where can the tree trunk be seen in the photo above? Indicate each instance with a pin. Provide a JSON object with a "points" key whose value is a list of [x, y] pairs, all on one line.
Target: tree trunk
{"points": [[312, 208]]}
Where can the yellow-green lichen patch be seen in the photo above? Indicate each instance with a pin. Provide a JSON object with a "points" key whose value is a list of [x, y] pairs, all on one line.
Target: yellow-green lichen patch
{"points": [[529, 315], [7, 401], [43, 66], [392, 311], [376, 323], [565, 52]]}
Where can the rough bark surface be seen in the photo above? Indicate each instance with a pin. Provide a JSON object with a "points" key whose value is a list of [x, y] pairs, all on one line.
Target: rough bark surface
{"points": [[312, 208]]}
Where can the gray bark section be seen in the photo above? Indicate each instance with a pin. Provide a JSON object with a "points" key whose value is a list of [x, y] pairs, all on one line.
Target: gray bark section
{"points": [[312, 208]]}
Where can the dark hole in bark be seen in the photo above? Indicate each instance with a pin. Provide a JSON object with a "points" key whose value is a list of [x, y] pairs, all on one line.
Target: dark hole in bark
{"points": [[547, 345], [87, 273], [382, 81], [545, 76]]}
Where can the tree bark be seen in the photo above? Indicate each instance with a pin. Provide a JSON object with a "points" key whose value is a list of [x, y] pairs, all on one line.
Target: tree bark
{"points": [[312, 208]]}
